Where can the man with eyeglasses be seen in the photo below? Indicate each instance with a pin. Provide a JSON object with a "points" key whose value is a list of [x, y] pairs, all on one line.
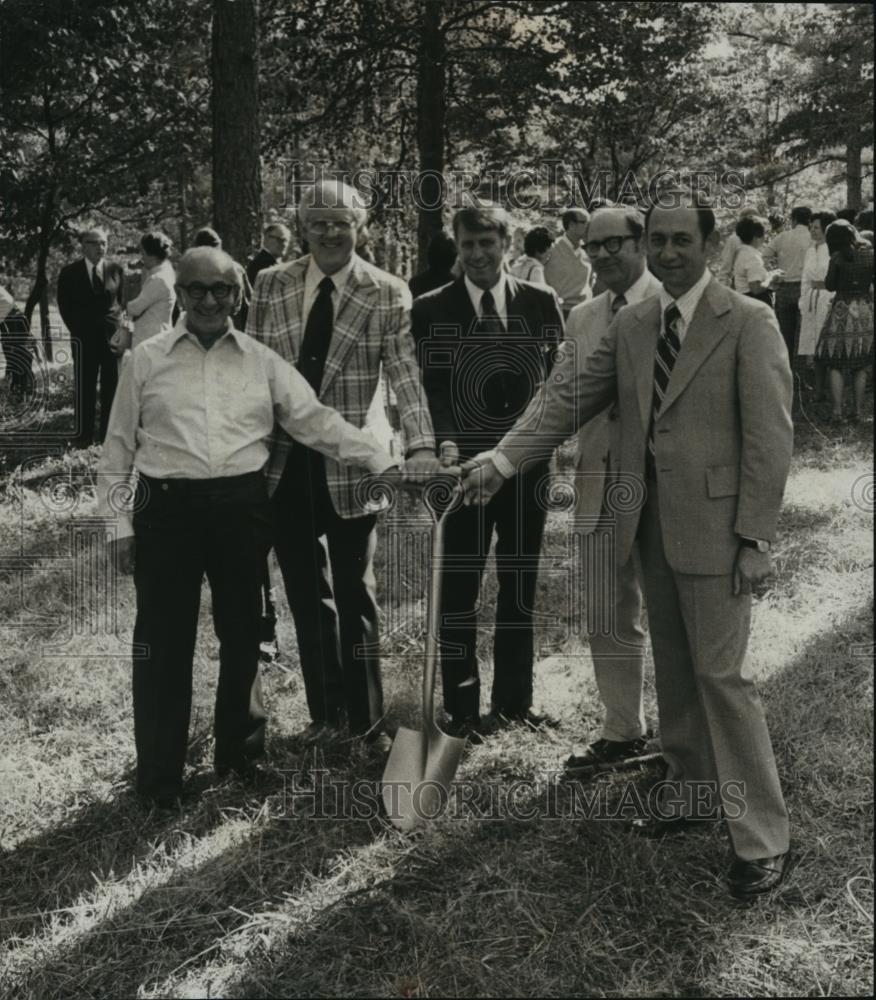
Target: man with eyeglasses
{"points": [[193, 414], [615, 246], [568, 270], [90, 301], [339, 319], [275, 243]]}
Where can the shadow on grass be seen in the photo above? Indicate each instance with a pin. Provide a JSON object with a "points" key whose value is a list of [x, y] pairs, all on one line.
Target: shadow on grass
{"points": [[552, 907]]}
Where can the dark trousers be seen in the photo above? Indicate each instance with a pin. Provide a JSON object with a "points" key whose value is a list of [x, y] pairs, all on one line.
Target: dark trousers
{"points": [[788, 314], [518, 518], [17, 346], [93, 359], [327, 566], [184, 529]]}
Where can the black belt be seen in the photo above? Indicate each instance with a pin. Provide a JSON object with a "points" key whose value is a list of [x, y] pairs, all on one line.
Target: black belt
{"points": [[196, 487]]}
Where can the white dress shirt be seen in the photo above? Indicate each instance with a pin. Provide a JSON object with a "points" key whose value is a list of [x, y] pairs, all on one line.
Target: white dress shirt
{"points": [[184, 412], [687, 303]]}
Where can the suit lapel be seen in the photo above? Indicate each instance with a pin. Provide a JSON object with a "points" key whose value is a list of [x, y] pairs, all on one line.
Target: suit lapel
{"points": [[642, 348], [706, 331], [291, 277], [357, 298], [461, 311]]}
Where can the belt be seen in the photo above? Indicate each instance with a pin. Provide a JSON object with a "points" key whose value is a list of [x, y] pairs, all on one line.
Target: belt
{"points": [[197, 487]]}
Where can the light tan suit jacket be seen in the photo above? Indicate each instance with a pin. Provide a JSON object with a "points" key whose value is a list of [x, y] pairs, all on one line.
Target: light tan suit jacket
{"points": [[723, 438]]}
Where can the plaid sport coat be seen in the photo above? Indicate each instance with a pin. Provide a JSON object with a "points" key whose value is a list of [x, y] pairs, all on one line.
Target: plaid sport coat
{"points": [[372, 327]]}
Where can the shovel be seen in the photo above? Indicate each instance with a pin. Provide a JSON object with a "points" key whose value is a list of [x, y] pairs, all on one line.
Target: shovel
{"points": [[421, 764]]}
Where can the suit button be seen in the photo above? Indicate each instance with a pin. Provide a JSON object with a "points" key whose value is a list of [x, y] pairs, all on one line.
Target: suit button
{"points": [[164, 486], [662, 430]]}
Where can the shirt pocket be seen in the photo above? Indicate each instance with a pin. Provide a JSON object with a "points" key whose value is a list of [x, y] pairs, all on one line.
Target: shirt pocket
{"points": [[722, 480]]}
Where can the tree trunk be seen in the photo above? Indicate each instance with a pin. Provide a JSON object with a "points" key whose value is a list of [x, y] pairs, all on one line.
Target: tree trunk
{"points": [[237, 188], [183, 209], [853, 172], [431, 118], [39, 295]]}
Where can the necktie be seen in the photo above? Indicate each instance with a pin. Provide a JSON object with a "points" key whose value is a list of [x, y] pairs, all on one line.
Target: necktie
{"points": [[668, 346], [619, 303], [490, 321], [96, 282], [317, 335]]}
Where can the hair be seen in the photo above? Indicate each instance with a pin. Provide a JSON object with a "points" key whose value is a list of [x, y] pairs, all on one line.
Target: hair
{"points": [[824, 219], [747, 212], [848, 214], [441, 253], [841, 237], [537, 241], [632, 217], [207, 237], [801, 215], [748, 229], [574, 215], [277, 229], [87, 230], [156, 244], [864, 220], [341, 195], [776, 221], [705, 215], [482, 217], [598, 203]]}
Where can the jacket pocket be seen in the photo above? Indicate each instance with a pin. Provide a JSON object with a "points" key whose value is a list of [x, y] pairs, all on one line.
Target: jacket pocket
{"points": [[722, 480]]}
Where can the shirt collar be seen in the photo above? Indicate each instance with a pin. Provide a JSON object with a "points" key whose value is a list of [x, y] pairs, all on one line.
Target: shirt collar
{"points": [[688, 302], [181, 332], [315, 274], [637, 291], [573, 248], [476, 294]]}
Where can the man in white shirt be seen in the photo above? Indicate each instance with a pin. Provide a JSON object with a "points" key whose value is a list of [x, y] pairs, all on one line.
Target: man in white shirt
{"points": [[194, 410], [568, 271], [787, 252]]}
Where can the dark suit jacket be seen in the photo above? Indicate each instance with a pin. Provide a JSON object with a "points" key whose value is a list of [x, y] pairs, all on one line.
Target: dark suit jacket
{"points": [[478, 384], [259, 262], [88, 315], [428, 281]]}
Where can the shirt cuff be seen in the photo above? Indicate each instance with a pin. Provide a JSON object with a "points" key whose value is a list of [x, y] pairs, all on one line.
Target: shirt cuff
{"points": [[502, 463]]}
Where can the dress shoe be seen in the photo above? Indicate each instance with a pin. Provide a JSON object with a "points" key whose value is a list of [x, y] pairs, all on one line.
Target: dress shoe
{"points": [[162, 802], [528, 718], [748, 879], [248, 773], [652, 828], [604, 752], [321, 733], [471, 729]]}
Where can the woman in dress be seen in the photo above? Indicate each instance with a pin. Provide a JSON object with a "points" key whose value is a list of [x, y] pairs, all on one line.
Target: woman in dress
{"points": [[151, 310], [750, 276], [815, 299], [846, 342], [536, 253]]}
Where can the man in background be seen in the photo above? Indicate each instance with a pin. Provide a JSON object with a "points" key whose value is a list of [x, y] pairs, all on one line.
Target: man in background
{"points": [[786, 252], [568, 271], [90, 300], [275, 242]]}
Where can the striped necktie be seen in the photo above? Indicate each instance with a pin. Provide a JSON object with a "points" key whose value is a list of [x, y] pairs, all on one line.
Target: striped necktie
{"points": [[668, 346]]}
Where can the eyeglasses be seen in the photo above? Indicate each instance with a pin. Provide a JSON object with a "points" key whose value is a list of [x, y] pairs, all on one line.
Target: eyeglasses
{"points": [[321, 226], [219, 290], [612, 245]]}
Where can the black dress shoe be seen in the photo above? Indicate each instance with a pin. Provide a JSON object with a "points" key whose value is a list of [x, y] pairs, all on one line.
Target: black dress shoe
{"points": [[379, 742], [604, 752], [321, 733], [652, 828], [532, 720], [749, 879], [471, 728]]}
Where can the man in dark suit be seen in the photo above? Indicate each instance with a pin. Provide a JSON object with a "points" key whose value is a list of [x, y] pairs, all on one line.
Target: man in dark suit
{"points": [[275, 242], [701, 381], [90, 300], [484, 345]]}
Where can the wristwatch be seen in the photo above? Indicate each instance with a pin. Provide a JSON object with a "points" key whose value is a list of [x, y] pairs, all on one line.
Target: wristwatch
{"points": [[756, 543]]}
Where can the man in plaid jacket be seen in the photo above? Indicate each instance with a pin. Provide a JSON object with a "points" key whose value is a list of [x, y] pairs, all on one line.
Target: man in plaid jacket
{"points": [[338, 319]]}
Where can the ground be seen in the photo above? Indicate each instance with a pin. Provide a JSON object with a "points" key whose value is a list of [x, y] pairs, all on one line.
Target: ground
{"points": [[518, 890]]}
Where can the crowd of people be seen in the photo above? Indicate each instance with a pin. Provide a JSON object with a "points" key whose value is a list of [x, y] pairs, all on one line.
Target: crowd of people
{"points": [[242, 398]]}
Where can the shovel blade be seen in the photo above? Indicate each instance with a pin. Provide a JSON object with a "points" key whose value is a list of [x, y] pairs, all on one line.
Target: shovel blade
{"points": [[415, 790]]}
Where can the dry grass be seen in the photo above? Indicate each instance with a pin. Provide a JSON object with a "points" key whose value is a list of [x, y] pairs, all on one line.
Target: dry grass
{"points": [[247, 895]]}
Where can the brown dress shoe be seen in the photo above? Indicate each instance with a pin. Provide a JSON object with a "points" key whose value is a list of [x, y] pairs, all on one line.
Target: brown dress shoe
{"points": [[749, 879]]}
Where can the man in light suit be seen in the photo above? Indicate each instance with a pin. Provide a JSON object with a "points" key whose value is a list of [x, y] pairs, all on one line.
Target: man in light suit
{"points": [[701, 380], [615, 246], [568, 271], [337, 318]]}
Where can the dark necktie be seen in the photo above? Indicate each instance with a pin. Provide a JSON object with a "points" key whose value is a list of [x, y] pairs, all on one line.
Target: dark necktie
{"points": [[490, 321], [96, 283], [619, 303], [317, 335], [668, 346]]}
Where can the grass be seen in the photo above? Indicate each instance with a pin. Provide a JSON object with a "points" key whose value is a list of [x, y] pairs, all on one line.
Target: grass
{"points": [[250, 895]]}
